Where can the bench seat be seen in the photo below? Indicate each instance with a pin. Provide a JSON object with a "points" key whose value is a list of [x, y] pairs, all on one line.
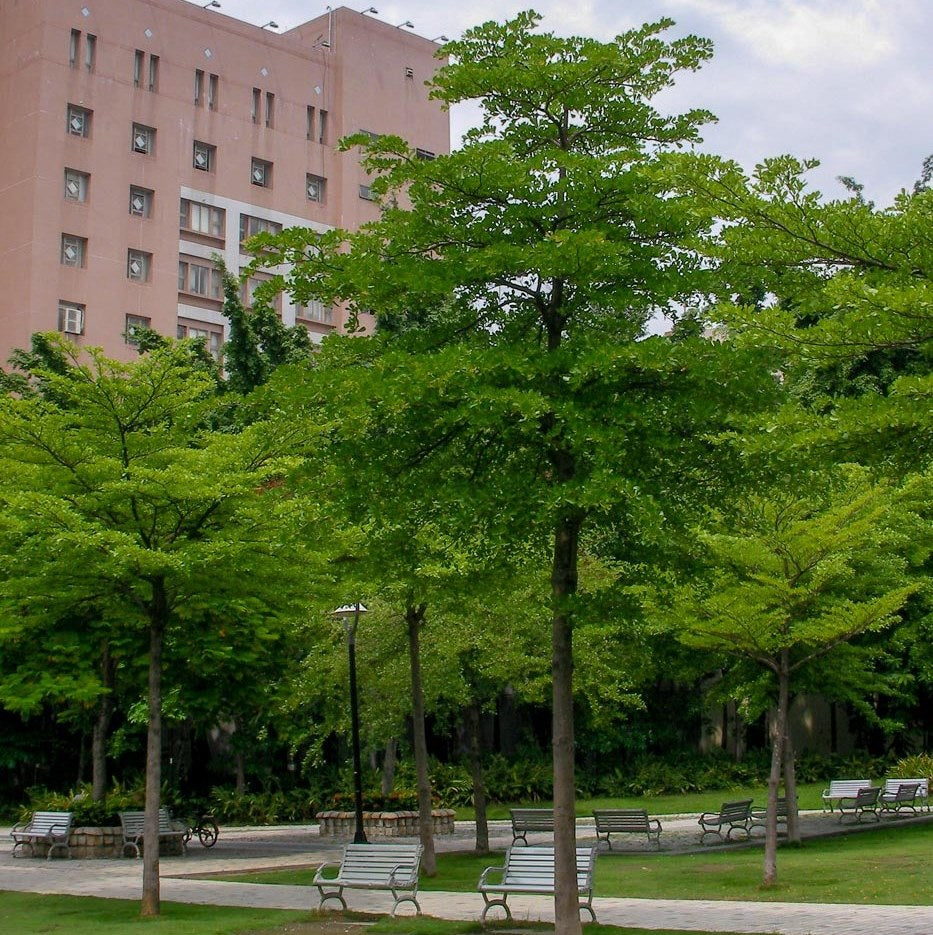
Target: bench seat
{"points": [[732, 816], [530, 870], [525, 820], [392, 867], [133, 825], [49, 828], [626, 821]]}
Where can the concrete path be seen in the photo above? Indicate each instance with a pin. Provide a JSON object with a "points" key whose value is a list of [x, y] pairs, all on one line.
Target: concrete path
{"points": [[245, 849]]}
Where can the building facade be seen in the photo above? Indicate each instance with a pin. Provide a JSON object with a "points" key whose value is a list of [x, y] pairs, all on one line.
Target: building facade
{"points": [[143, 137]]}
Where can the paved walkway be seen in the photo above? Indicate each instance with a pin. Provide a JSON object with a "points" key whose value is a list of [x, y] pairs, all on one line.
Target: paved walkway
{"points": [[245, 849]]}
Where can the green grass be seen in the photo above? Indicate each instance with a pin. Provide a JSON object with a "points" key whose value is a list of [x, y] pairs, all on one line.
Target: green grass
{"points": [[35, 913], [688, 803], [889, 866]]}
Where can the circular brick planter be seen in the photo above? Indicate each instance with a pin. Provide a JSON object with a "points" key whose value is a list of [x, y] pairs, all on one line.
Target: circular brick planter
{"points": [[94, 843], [336, 824]]}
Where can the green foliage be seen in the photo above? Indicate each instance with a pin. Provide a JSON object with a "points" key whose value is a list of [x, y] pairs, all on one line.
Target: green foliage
{"points": [[270, 807], [87, 812], [918, 766]]}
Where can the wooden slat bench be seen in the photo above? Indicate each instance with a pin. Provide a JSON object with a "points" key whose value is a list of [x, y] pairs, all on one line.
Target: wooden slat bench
{"points": [[531, 870], [906, 795], [525, 820], [392, 867], [50, 828], [732, 816], [842, 789], [864, 802], [626, 821], [758, 815], [923, 790], [133, 824]]}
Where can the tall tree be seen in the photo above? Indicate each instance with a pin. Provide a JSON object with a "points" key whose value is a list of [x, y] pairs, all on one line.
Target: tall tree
{"points": [[519, 273], [119, 496]]}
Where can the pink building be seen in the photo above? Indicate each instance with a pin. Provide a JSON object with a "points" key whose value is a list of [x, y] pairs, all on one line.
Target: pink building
{"points": [[142, 137]]}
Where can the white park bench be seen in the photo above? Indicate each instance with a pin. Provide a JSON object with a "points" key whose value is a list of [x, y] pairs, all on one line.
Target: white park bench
{"points": [[842, 789], [49, 828], [133, 824], [864, 802], [525, 820], [531, 870], [626, 821], [392, 867], [921, 798]]}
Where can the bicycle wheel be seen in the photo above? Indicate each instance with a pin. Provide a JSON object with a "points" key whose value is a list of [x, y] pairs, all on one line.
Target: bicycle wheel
{"points": [[208, 832]]}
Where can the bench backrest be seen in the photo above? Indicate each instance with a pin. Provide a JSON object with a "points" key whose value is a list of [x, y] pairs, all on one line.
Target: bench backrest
{"points": [[134, 822], [44, 822], [621, 819], [867, 796], [891, 785], [379, 863], [735, 811], [532, 819], [534, 866], [847, 787]]}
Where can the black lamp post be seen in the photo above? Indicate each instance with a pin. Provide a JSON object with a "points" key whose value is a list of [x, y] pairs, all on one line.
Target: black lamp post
{"points": [[350, 616]]}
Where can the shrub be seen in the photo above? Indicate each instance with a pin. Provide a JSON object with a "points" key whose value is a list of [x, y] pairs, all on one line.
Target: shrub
{"points": [[919, 766], [270, 807]]}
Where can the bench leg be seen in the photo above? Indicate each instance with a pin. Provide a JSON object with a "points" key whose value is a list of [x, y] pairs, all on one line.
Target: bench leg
{"points": [[405, 899], [331, 895], [588, 906], [496, 902]]}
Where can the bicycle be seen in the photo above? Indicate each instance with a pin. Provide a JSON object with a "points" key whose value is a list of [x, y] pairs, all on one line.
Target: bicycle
{"points": [[206, 830]]}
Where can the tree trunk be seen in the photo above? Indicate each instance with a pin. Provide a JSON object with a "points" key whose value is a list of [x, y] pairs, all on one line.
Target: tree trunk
{"points": [[779, 733], [475, 734], [790, 792], [389, 762], [414, 617], [102, 727], [563, 587], [158, 615]]}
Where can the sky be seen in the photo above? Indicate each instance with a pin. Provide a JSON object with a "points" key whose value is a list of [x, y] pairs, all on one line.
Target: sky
{"points": [[849, 82]]}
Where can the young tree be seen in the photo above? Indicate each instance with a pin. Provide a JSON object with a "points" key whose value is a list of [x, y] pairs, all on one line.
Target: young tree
{"points": [[797, 573], [117, 497], [519, 273]]}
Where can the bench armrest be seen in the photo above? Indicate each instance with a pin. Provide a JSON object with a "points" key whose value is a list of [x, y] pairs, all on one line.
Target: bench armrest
{"points": [[654, 824], [19, 827], [710, 816], [57, 829], [319, 876], [402, 876], [486, 872]]}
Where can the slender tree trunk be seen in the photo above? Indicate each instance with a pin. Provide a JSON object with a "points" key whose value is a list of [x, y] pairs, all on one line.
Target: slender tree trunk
{"points": [[102, 726], [777, 760], [159, 613], [474, 732], [414, 617], [388, 766], [563, 587], [790, 792]]}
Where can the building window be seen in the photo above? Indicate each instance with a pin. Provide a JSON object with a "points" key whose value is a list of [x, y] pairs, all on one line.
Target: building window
{"points": [[270, 109], [70, 317], [204, 155], [79, 121], [250, 226], [248, 293], [198, 278], [201, 219], [138, 265], [409, 72], [139, 59], [198, 87], [322, 127], [74, 250], [90, 51], [261, 173], [370, 135], [309, 122], [74, 47], [153, 72], [141, 201], [213, 338], [213, 83], [135, 324], [315, 311], [424, 154], [316, 187], [366, 193], [257, 103], [143, 139], [76, 184]]}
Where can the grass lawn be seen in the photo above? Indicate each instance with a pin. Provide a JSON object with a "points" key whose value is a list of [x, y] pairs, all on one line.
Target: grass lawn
{"points": [[890, 866], [35, 913]]}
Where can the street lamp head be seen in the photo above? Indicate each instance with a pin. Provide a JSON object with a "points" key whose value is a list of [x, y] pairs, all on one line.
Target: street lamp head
{"points": [[272, 24], [440, 38], [347, 609], [369, 9], [213, 4], [408, 24]]}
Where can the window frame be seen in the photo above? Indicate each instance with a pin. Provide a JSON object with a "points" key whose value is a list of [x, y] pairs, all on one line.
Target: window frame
{"points": [[312, 178], [144, 258], [75, 312], [210, 154], [83, 180], [147, 195], [79, 245], [77, 111], [141, 130], [131, 322], [260, 173], [191, 215]]}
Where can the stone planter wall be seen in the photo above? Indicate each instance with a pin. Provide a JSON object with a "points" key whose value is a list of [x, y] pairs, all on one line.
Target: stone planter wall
{"points": [[383, 824], [94, 843]]}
